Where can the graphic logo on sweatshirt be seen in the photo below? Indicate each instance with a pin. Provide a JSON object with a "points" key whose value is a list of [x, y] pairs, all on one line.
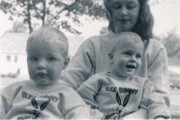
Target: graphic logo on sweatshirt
{"points": [[36, 113], [118, 111]]}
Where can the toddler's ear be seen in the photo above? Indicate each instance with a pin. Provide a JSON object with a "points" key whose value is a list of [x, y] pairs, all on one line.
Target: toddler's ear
{"points": [[66, 62], [110, 55]]}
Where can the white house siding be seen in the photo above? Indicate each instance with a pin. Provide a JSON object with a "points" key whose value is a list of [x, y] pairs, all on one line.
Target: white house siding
{"points": [[14, 44], [12, 65]]}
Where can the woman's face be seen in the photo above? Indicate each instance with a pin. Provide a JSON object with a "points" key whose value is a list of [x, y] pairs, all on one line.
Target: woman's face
{"points": [[124, 14]]}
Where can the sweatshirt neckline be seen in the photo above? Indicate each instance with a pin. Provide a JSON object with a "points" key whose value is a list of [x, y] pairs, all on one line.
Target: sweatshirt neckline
{"points": [[43, 87], [119, 78]]}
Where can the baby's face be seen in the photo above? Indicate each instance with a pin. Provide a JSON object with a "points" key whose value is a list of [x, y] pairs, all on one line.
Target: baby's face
{"points": [[127, 60], [45, 62]]}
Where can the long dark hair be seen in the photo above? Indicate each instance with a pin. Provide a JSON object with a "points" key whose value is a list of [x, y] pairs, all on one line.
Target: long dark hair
{"points": [[145, 23]]}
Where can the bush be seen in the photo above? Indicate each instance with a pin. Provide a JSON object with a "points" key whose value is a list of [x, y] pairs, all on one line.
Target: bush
{"points": [[174, 79]]}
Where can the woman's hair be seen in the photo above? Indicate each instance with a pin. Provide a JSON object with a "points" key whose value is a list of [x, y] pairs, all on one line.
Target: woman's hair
{"points": [[145, 22], [50, 35]]}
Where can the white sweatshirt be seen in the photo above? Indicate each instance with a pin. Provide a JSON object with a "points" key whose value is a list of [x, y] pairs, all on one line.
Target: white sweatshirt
{"points": [[92, 57], [27, 100], [115, 97]]}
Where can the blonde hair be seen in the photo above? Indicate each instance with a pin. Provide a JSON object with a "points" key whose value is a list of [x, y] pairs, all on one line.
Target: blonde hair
{"points": [[52, 35], [124, 37]]}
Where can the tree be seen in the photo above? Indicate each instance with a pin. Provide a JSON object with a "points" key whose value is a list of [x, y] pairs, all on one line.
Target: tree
{"points": [[62, 13], [18, 27], [172, 44]]}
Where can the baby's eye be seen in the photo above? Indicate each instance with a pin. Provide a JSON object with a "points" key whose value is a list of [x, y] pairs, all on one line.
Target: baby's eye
{"points": [[33, 59], [51, 59], [127, 53], [138, 56]]}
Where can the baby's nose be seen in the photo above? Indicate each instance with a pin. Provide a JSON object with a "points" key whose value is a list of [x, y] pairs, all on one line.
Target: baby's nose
{"points": [[42, 64], [133, 58]]}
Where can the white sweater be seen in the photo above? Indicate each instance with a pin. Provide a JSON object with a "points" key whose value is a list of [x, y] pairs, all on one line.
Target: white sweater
{"points": [[115, 97], [27, 100], [92, 57]]}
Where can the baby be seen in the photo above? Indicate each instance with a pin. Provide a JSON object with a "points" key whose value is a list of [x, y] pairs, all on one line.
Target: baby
{"points": [[119, 91], [43, 96]]}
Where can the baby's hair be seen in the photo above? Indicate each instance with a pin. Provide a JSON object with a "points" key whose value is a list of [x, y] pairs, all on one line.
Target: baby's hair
{"points": [[145, 23], [52, 35], [119, 39]]}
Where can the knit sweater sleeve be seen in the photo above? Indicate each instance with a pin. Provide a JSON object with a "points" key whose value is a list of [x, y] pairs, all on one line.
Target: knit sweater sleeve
{"points": [[90, 88], [153, 102], [81, 65], [7, 96], [72, 105], [158, 70]]}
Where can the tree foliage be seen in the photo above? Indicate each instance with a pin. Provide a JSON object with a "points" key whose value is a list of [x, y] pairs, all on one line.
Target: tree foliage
{"points": [[62, 13], [172, 44], [18, 27]]}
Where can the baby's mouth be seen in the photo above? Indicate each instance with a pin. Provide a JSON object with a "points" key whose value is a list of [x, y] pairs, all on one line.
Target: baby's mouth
{"points": [[42, 75], [131, 66]]}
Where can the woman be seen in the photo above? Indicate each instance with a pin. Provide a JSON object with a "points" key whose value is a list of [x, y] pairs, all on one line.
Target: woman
{"points": [[91, 57]]}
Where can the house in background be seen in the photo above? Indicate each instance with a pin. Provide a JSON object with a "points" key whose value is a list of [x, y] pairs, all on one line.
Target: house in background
{"points": [[13, 53]]}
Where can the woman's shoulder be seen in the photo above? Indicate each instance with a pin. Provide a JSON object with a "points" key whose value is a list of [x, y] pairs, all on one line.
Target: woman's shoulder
{"points": [[93, 43], [153, 49], [154, 44], [100, 37]]}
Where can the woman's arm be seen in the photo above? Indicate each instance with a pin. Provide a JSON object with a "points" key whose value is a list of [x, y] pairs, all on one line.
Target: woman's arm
{"points": [[90, 88], [158, 74], [153, 102], [72, 105], [89, 91], [81, 65]]}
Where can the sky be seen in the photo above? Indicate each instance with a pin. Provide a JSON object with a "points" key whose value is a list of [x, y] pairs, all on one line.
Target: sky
{"points": [[5, 24], [166, 15]]}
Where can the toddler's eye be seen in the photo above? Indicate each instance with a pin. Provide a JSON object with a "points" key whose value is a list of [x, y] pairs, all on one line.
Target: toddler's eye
{"points": [[33, 59], [51, 59], [138, 56], [128, 53]]}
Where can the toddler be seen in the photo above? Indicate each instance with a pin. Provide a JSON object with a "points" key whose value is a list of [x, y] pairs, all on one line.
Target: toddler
{"points": [[119, 91], [43, 96]]}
